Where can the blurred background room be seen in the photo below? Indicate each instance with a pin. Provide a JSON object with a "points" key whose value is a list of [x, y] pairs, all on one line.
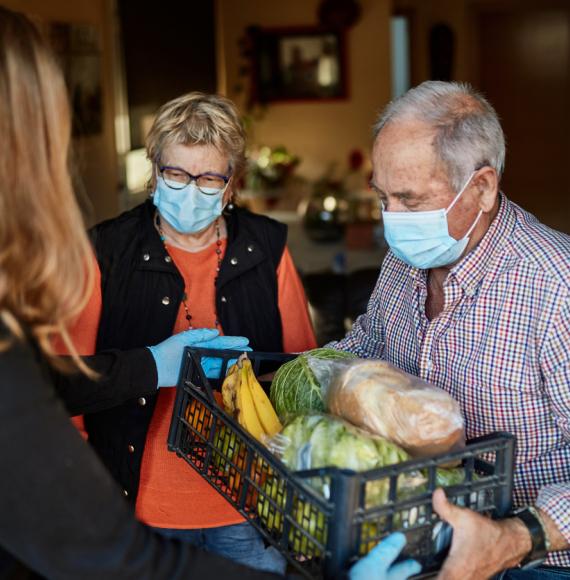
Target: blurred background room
{"points": [[309, 77]]}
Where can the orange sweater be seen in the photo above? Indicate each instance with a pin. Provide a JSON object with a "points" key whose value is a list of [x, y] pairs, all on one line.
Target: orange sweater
{"points": [[171, 494]]}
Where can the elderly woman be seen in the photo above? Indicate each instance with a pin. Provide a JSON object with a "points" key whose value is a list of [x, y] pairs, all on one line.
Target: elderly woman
{"points": [[188, 258]]}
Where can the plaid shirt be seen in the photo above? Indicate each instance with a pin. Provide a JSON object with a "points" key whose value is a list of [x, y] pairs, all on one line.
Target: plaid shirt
{"points": [[500, 347]]}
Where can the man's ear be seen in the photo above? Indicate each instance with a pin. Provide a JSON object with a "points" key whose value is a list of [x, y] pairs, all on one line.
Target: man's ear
{"points": [[486, 183]]}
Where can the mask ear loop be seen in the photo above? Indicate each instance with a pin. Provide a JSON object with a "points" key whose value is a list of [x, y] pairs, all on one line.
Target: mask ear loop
{"points": [[229, 205], [474, 224], [455, 200], [461, 192]]}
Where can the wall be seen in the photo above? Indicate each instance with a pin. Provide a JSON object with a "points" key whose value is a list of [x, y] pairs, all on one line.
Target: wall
{"points": [[95, 154], [319, 133], [517, 53]]}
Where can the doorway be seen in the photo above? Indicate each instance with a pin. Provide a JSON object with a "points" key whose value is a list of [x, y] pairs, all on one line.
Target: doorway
{"points": [[524, 69]]}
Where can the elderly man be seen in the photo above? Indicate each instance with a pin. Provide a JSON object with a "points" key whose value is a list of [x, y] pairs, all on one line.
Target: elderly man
{"points": [[474, 297]]}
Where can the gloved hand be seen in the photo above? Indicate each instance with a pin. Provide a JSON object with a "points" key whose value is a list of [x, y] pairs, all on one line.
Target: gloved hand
{"points": [[168, 354], [376, 565], [212, 366]]}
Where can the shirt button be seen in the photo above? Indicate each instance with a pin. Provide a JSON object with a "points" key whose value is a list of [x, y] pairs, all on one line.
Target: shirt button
{"points": [[429, 366], [142, 401], [125, 493], [234, 261], [167, 259], [166, 300], [146, 257], [223, 299], [250, 248], [131, 448]]}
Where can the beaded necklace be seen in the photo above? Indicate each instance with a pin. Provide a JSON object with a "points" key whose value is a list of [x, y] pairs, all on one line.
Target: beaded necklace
{"points": [[219, 265]]}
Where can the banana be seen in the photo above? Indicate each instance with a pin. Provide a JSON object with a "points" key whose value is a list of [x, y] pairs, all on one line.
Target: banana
{"points": [[246, 413], [229, 387], [263, 407], [244, 398]]}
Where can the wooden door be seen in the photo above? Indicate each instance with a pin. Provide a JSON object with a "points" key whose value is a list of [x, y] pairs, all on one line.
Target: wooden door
{"points": [[524, 69]]}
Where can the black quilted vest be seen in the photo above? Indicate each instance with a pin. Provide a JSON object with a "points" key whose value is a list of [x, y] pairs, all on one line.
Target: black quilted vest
{"points": [[141, 295]]}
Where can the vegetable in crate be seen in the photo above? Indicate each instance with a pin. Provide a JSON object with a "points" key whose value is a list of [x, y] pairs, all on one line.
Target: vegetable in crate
{"points": [[313, 441], [245, 399], [377, 396], [295, 389]]}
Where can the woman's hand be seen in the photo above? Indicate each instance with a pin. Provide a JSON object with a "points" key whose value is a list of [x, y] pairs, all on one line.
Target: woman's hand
{"points": [[168, 354], [377, 564]]}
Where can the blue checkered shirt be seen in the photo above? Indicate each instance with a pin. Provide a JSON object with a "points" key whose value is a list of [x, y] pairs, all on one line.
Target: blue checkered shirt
{"points": [[500, 347]]}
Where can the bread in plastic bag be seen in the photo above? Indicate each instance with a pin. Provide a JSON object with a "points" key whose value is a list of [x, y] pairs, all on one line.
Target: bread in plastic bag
{"points": [[376, 396]]}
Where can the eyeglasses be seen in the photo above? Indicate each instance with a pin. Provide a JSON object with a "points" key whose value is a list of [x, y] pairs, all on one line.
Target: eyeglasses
{"points": [[208, 183]]}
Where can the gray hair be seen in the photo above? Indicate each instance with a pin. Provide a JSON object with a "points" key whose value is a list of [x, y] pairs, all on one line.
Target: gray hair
{"points": [[468, 132]]}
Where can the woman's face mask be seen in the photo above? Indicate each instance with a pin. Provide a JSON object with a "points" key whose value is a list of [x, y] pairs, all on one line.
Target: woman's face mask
{"points": [[187, 210], [421, 238]]}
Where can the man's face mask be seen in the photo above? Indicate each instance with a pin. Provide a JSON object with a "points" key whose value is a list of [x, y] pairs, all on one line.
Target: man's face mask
{"points": [[421, 238], [187, 210]]}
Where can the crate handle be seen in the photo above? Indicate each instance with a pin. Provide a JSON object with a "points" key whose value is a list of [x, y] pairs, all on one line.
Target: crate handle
{"points": [[196, 356]]}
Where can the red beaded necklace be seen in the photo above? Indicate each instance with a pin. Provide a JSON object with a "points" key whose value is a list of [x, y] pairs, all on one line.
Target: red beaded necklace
{"points": [[219, 265]]}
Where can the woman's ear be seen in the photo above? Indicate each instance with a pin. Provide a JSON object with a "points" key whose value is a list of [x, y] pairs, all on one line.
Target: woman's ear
{"points": [[486, 182]]}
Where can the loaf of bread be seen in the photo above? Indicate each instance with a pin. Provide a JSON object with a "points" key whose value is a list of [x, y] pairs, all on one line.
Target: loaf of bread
{"points": [[404, 409]]}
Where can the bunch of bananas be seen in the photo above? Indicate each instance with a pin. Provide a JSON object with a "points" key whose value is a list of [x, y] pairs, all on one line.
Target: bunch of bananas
{"points": [[245, 399]]}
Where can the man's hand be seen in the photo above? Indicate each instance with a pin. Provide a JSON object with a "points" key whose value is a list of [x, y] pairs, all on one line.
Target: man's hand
{"points": [[480, 547]]}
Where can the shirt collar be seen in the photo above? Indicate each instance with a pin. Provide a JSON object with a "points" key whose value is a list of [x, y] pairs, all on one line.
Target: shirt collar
{"points": [[471, 270]]}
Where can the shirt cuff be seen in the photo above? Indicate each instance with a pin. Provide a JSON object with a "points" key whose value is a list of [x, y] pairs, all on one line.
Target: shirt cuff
{"points": [[554, 501]]}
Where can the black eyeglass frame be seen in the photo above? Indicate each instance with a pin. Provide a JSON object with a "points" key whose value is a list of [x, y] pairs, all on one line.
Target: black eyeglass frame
{"points": [[191, 178]]}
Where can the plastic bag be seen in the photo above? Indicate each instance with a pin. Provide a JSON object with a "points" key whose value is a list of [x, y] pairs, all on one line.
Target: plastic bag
{"points": [[376, 396], [314, 441]]}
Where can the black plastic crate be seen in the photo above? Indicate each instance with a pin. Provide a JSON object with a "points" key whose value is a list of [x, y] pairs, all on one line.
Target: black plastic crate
{"points": [[322, 536]]}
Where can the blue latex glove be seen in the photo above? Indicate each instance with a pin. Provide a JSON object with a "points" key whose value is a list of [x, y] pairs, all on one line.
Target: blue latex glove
{"points": [[377, 564], [212, 366], [168, 354]]}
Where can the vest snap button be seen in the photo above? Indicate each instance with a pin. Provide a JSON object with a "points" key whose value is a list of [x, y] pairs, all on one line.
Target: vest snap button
{"points": [[166, 300], [223, 299], [131, 448], [146, 257], [234, 261], [142, 401], [167, 259], [125, 493], [250, 248]]}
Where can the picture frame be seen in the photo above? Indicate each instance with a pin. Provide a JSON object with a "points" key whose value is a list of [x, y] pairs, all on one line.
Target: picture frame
{"points": [[298, 64]]}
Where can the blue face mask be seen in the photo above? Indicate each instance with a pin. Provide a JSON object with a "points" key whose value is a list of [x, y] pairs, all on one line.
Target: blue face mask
{"points": [[187, 210], [421, 238]]}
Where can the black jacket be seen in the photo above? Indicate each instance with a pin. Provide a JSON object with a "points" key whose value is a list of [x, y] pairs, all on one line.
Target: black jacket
{"points": [[141, 293], [61, 512]]}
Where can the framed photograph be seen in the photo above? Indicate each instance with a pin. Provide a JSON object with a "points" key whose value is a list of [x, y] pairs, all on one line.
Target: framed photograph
{"points": [[298, 64]]}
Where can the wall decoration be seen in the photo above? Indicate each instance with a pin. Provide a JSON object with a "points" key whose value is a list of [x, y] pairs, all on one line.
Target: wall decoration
{"points": [[78, 49], [298, 64]]}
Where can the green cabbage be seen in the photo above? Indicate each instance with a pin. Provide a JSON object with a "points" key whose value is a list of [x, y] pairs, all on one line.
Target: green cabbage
{"points": [[295, 389]]}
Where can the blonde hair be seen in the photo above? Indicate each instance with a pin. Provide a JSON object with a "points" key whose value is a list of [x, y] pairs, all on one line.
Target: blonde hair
{"points": [[46, 263], [199, 119]]}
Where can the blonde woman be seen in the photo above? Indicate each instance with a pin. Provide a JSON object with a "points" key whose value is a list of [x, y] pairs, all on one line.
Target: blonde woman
{"points": [[61, 513]]}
